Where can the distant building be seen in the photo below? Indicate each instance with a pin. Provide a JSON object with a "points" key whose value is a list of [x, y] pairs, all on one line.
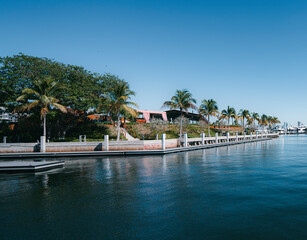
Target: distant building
{"points": [[193, 117], [7, 116], [145, 116], [169, 115]]}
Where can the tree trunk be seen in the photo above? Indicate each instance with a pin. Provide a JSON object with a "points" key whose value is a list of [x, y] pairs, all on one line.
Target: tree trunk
{"points": [[228, 124], [118, 127], [243, 126], [209, 126], [44, 125], [181, 118]]}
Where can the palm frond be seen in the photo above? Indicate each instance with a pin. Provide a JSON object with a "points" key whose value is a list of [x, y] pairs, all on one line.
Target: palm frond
{"points": [[33, 105], [60, 107], [29, 91], [21, 98], [130, 110]]}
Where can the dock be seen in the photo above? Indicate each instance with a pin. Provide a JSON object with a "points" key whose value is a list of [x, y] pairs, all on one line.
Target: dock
{"points": [[29, 166]]}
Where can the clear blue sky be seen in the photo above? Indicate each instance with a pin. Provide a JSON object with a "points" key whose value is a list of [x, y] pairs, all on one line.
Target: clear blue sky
{"points": [[246, 54]]}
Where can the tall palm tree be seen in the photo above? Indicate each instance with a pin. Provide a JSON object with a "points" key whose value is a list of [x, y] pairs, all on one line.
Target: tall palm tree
{"points": [[209, 108], [119, 100], [227, 114], [244, 114], [269, 120], [234, 117], [263, 120], [275, 120], [272, 120], [255, 117], [41, 96], [249, 121], [182, 100]]}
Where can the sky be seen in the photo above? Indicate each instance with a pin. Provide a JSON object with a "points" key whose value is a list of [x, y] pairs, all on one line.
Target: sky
{"points": [[244, 54]]}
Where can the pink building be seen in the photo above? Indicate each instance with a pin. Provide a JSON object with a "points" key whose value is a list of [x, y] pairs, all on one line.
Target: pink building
{"points": [[148, 115], [169, 115]]}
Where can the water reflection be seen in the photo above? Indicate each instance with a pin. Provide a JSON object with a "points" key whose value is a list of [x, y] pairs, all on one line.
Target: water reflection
{"points": [[164, 166], [203, 154], [226, 192]]}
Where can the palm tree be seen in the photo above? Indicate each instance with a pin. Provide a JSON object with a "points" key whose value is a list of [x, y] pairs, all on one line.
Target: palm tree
{"points": [[234, 118], [227, 114], [272, 120], [255, 117], [263, 120], [244, 114], [249, 121], [118, 99], [209, 108], [41, 96], [182, 100], [269, 120], [275, 120]]}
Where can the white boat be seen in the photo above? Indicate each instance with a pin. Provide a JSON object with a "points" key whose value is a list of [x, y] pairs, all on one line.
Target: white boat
{"points": [[280, 130], [301, 130]]}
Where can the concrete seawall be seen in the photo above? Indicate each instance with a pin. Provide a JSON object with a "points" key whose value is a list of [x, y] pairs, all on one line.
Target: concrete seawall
{"points": [[87, 146], [122, 145], [154, 148]]}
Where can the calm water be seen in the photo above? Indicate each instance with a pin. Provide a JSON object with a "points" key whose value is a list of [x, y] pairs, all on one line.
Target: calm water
{"points": [[251, 191]]}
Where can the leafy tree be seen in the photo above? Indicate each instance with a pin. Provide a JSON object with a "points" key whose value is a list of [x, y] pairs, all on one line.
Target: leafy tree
{"points": [[20, 72], [80, 92], [183, 122], [158, 126], [209, 108], [40, 96], [80, 87], [182, 100]]}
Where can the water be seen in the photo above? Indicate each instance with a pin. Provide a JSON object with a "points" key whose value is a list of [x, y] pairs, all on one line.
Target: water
{"points": [[251, 191]]}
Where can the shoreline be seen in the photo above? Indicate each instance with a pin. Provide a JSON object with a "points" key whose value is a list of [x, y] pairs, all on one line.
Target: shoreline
{"points": [[124, 153]]}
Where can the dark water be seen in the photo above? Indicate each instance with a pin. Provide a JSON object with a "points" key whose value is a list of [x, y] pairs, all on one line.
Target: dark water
{"points": [[251, 191]]}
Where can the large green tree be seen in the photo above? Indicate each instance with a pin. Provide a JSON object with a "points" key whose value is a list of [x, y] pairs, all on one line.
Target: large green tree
{"points": [[209, 108], [182, 100], [80, 92], [20, 71]]}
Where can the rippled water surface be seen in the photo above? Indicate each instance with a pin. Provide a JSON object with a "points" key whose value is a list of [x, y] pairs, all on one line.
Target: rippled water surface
{"points": [[251, 191]]}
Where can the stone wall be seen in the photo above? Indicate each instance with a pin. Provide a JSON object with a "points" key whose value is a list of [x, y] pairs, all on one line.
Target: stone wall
{"points": [[113, 145], [87, 146]]}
